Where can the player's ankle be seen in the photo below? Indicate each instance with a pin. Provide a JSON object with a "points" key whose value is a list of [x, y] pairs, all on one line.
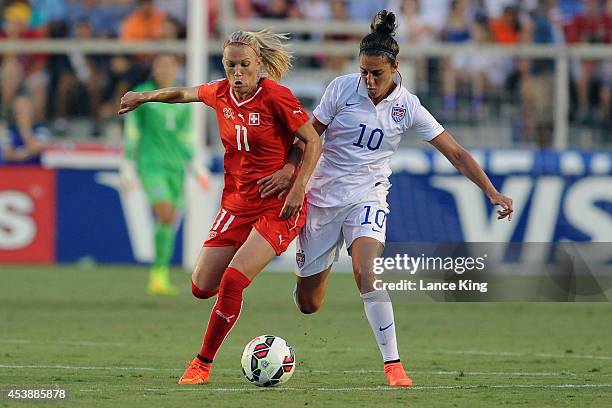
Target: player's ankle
{"points": [[204, 359]]}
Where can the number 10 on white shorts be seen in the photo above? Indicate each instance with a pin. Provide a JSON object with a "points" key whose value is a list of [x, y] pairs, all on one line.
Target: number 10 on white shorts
{"points": [[327, 230]]}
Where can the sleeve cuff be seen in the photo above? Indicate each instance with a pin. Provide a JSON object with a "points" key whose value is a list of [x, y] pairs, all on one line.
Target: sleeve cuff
{"points": [[296, 125], [437, 133], [200, 93], [318, 117]]}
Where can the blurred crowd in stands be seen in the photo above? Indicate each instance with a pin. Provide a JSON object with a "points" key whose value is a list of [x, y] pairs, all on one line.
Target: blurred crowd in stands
{"points": [[53, 88]]}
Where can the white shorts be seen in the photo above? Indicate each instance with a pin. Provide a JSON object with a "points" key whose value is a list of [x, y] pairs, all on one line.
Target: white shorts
{"points": [[328, 228]]}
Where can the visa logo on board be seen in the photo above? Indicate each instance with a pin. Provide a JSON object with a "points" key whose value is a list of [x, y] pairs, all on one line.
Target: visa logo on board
{"points": [[17, 226], [539, 202]]}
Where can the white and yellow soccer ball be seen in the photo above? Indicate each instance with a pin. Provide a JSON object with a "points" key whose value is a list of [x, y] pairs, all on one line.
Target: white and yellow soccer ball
{"points": [[268, 360]]}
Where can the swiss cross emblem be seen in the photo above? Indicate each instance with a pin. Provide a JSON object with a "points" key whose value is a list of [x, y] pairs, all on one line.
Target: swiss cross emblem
{"points": [[398, 113], [254, 119]]}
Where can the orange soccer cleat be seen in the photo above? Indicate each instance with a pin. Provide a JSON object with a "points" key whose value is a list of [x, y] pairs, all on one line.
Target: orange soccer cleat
{"points": [[198, 372], [396, 375]]}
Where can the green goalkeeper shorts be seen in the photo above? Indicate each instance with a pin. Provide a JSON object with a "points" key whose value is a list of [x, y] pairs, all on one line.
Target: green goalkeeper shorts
{"points": [[163, 185]]}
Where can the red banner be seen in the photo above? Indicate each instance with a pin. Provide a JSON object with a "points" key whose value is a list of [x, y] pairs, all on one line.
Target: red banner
{"points": [[27, 215]]}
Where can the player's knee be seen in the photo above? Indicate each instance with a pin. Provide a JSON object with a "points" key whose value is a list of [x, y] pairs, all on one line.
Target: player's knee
{"points": [[166, 218], [309, 306], [202, 294], [169, 222], [164, 213]]}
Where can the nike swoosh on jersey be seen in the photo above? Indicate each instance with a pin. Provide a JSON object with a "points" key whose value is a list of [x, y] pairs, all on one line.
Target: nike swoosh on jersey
{"points": [[385, 328], [352, 104]]}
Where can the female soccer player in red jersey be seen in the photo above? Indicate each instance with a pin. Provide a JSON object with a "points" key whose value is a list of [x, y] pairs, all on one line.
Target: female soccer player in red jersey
{"points": [[257, 119]]}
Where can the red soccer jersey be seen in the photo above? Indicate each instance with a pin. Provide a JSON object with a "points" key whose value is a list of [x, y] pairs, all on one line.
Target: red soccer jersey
{"points": [[257, 134], [585, 28]]}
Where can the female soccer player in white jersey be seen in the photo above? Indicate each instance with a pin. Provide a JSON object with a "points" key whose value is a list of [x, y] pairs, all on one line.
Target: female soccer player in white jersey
{"points": [[364, 116]]}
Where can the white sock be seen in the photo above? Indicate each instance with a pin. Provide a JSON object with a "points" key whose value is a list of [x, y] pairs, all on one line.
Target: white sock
{"points": [[295, 296], [379, 311]]}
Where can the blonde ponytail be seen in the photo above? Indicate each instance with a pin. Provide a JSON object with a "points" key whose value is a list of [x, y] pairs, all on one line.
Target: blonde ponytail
{"points": [[270, 46]]}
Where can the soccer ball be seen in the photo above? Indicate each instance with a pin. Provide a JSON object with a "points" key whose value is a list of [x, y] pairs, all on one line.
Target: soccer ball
{"points": [[267, 361]]}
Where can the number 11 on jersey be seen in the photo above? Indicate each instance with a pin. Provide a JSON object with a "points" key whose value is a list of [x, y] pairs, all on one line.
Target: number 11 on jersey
{"points": [[242, 137]]}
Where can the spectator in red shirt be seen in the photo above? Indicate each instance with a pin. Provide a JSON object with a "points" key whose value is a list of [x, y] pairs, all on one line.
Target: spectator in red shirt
{"points": [[606, 91], [590, 27], [608, 23], [587, 27]]}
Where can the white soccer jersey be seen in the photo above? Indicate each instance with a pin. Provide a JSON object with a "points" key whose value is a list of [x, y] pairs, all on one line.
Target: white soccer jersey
{"points": [[361, 138]]}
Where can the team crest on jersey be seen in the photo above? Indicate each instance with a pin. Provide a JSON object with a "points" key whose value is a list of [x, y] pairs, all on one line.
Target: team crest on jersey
{"points": [[300, 258], [398, 113], [228, 113], [254, 119], [212, 234]]}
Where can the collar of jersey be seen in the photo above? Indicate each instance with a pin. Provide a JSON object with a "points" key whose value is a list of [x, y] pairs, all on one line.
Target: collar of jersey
{"points": [[239, 104], [397, 78]]}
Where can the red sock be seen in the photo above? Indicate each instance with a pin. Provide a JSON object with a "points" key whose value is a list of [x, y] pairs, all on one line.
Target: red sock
{"points": [[225, 312]]}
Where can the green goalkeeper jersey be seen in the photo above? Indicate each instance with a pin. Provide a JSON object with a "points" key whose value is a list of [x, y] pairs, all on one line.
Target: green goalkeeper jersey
{"points": [[159, 135]]}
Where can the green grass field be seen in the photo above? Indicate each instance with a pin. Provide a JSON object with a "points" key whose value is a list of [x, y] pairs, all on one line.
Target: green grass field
{"points": [[97, 334]]}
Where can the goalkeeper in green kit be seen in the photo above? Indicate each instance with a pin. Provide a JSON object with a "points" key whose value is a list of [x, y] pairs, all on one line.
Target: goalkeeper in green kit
{"points": [[159, 146]]}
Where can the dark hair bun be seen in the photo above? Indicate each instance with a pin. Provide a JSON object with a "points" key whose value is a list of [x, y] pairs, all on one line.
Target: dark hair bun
{"points": [[384, 23]]}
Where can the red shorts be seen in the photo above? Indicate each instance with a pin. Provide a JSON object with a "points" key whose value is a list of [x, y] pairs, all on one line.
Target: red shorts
{"points": [[233, 229]]}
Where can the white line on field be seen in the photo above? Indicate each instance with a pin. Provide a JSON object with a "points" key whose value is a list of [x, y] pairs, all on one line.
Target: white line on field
{"points": [[66, 367], [587, 357], [401, 389], [65, 343], [457, 373], [479, 352], [80, 343], [123, 344], [441, 373], [340, 349], [503, 373], [520, 354]]}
